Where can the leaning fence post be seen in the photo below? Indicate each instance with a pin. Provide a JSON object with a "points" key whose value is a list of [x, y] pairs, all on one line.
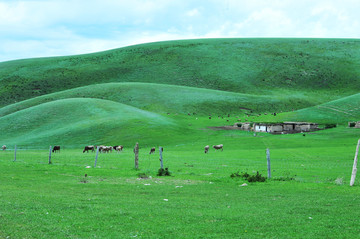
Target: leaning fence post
{"points": [[136, 151], [353, 175], [50, 155], [96, 157], [15, 154], [161, 158], [268, 163]]}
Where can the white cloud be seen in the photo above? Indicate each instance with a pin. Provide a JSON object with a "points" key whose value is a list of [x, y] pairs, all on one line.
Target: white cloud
{"points": [[63, 27], [192, 13]]}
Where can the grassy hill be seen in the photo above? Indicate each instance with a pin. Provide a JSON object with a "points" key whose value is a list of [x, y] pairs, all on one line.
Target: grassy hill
{"points": [[337, 111], [250, 66], [147, 91], [175, 99], [82, 122]]}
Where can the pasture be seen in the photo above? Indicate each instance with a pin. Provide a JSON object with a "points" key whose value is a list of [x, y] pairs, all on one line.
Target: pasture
{"points": [[308, 196], [179, 95]]}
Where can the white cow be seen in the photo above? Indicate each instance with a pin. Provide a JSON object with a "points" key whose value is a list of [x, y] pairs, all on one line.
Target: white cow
{"points": [[217, 147], [207, 149]]}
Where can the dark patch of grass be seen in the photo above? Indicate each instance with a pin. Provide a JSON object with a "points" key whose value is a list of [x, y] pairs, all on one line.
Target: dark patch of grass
{"points": [[143, 176], [329, 126], [286, 178]]}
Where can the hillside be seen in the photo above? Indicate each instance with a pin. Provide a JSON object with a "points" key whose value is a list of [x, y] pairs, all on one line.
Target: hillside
{"points": [[175, 99], [248, 66], [338, 111], [83, 122], [342, 110], [173, 91]]}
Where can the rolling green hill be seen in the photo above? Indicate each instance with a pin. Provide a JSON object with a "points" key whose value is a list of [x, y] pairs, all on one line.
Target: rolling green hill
{"points": [[337, 111], [250, 66], [342, 110], [82, 122], [175, 99], [146, 92]]}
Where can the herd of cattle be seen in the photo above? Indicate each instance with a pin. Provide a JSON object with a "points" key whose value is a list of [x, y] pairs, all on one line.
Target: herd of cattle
{"points": [[103, 148], [119, 148]]}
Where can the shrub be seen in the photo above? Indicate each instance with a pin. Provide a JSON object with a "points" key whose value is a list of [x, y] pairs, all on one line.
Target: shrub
{"points": [[250, 178], [163, 172], [256, 178]]}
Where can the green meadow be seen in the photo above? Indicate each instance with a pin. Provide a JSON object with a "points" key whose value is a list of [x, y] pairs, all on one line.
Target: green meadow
{"points": [[179, 95]]}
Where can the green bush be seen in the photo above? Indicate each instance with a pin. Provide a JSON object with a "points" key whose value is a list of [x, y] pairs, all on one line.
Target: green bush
{"points": [[256, 178], [250, 178], [163, 172]]}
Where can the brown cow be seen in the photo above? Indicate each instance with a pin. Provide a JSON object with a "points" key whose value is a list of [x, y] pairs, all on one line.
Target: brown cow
{"points": [[152, 150], [89, 147], [56, 148]]}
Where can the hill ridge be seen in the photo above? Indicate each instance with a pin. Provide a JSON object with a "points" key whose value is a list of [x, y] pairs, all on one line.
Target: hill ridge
{"points": [[164, 98], [254, 66]]}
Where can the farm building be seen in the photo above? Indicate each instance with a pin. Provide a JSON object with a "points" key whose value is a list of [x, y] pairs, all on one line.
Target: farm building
{"points": [[286, 127], [243, 126], [278, 128], [354, 124]]}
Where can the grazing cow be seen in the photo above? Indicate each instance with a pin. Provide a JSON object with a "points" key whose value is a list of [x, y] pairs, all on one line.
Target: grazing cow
{"points": [[56, 148], [152, 150], [207, 149], [3, 147], [107, 149], [217, 147], [89, 147], [118, 148], [102, 148]]}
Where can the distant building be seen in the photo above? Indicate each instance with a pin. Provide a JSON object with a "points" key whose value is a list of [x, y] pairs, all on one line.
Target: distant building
{"points": [[354, 124], [243, 126], [286, 127]]}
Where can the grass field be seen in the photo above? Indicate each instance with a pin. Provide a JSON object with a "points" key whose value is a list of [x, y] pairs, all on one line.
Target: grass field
{"points": [[311, 200], [176, 95]]}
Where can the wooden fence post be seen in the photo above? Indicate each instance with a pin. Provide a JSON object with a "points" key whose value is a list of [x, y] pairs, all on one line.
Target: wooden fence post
{"points": [[96, 157], [136, 151], [50, 155], [353, 174], [161, 158], [15, 153], [268, 163]]}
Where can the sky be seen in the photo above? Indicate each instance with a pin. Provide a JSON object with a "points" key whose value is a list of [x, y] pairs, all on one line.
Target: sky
{"points": [[42, 28]]}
